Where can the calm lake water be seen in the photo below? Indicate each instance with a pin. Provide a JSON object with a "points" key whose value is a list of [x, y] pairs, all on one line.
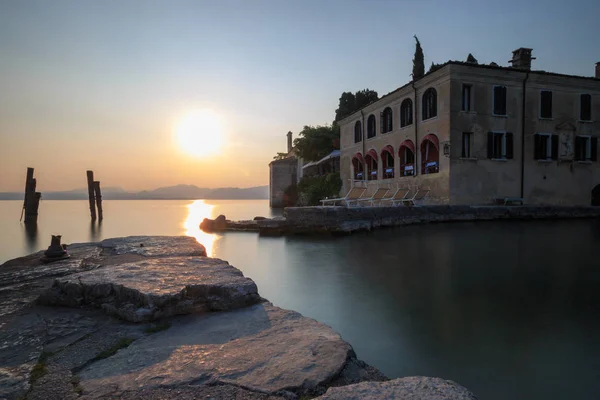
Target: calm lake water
{"points": [[510, 310]]}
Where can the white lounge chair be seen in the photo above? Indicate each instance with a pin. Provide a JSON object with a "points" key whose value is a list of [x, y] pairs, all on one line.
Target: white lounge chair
{"points": [[417, 197], [375, 197], [398, 197], [352, 196]]}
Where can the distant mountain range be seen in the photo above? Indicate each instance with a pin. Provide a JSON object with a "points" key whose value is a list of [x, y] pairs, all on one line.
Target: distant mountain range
{"points": [[178, 192]]}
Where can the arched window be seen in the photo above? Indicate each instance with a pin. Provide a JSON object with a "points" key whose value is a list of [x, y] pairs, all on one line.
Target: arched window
{"points": [[406, 113], [387, 158], [358, 167], [429, 108], [371, 127], [357, 132], [386, 120], [407, 158], [430, 154], [371, 162]]}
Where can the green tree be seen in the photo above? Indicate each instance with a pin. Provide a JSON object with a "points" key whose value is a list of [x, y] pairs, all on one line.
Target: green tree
{"points": [[346, 106], [315, 142], [418, 61], [351, 102], [312, 189], [365, 97]]}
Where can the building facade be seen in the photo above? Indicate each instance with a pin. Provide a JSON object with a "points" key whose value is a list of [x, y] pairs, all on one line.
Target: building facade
{"points": [[474, 133]]}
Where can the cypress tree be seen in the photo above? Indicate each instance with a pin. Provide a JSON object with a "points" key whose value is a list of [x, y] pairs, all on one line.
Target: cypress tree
{"points": [[418, 61]]}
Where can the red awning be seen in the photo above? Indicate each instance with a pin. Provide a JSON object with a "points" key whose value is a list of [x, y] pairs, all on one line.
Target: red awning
{"points": [[389, 149], [359, 157], [372, 153], [433, 139], [409, 144]]}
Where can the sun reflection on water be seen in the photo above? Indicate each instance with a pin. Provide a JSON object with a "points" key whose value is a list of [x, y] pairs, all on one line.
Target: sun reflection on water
{"points": [[197, 211]]}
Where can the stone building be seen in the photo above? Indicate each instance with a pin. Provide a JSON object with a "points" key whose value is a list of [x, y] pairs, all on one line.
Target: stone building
{"points": [[283, 172], [477, 133]]}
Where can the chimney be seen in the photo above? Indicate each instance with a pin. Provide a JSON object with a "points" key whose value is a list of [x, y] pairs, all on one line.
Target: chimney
{"points": [[598, 70], [522, 58], [289, 140]]}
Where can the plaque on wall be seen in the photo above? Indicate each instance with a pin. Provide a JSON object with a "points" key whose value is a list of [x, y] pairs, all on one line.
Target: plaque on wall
{"points": [[565, 148], [446, 147], [566, 141]]}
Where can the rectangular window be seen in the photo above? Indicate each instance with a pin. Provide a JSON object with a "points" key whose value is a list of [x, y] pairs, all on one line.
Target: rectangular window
{"points": [[545, 104], [467, 144], [585, 107], [500, 145], [466, 97], [499, 101], [586, 148], [545, 146]]}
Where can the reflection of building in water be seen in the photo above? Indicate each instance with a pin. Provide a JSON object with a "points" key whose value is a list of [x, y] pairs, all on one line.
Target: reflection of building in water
{"points": [[197, 211], [473, 133]]}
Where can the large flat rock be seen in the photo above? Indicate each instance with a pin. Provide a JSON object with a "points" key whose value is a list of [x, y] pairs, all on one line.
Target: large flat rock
{"points": [[409, 388], [261, 348], [155, 288], [154, 246]]}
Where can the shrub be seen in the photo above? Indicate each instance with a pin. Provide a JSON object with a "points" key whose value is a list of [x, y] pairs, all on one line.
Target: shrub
{"points": [[312, 189]]}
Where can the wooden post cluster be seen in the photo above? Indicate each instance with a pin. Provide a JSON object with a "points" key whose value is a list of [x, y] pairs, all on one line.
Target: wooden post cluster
{"points": [[31, 202], [95, 196]]}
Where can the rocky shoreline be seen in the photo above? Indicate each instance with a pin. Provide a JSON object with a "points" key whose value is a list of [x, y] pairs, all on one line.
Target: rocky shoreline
{"points": [[346, 220], [153, 318]]}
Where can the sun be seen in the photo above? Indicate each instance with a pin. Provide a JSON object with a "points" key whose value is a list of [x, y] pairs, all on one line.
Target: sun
{"points": [[199, 133]]}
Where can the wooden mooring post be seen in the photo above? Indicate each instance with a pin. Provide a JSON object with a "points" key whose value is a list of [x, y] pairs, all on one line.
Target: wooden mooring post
{"points": [[98, 194], [90, 182], [31, 202]]}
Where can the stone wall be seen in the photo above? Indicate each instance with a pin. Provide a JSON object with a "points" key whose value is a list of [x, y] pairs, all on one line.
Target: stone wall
{"points": [[345, 220]]}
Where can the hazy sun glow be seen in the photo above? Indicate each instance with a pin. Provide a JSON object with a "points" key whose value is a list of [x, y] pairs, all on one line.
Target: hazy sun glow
{"points": [[199, 133], [197, 211]]}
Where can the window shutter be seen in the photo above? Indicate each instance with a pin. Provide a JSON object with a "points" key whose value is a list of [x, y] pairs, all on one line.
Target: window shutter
{"points": [[578, 150], [490, 146], [555, 147], [537, 145], [509, 145], [503, 101], [594, 151], [464, 155], [496, 100], [381, 123]]}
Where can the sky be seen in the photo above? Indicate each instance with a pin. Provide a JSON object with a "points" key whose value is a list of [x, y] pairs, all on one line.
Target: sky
{"points": [[102, 85]]}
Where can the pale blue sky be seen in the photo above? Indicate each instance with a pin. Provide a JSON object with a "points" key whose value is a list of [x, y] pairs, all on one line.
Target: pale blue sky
{"points": [[114, 75]]}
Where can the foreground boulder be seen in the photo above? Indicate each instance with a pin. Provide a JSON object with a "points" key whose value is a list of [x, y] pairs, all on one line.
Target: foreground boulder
{"points": [[261, 348], [410, 388], [248, 349], [156, 288]]}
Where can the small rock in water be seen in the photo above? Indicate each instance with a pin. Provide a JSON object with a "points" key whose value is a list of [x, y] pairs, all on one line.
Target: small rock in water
{"points": [[218, 224]]}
